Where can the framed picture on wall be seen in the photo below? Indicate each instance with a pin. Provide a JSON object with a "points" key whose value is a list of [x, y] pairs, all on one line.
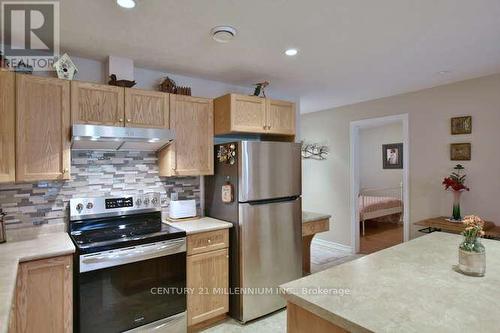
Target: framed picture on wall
{"points": [[460, 151], [461, 125], [392, 156]]}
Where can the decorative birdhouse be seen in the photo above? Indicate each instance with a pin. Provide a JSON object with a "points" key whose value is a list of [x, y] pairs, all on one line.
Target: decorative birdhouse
{"points": [[65, 68]]}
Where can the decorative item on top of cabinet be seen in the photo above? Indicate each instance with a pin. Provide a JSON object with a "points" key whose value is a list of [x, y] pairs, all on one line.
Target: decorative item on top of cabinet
{"points": [[65, 67], [191, 153], [97, 104], [113, 81], [4, 63], [169, 86], [146, 108], [7, 126], [260, 89], [250, 114], [42, 128], [44, 296]]}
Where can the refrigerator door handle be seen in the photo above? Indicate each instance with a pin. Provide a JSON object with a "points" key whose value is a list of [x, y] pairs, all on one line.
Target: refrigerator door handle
{"points": [[270, 201]]}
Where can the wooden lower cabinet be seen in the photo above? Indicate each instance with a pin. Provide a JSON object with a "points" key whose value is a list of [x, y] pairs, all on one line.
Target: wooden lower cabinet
{"points": [[208, 276], [44, 296]]}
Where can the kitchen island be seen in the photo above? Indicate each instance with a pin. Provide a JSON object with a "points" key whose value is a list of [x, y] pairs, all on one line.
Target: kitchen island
{"points": [[411, 287]]}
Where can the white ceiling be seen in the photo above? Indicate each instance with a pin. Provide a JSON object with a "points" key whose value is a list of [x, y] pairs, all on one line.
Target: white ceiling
{"points": [[350, 50]]}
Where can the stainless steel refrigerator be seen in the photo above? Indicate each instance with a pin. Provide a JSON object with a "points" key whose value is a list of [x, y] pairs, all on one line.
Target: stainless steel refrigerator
{"points": [[266, 239]]}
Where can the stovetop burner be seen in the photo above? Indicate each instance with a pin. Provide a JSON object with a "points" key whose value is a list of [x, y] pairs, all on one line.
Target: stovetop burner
{"points": [[117, 227]]}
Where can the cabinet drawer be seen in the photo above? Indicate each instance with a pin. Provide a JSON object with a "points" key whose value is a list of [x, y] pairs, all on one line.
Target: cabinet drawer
{"points": [[207, 241]]}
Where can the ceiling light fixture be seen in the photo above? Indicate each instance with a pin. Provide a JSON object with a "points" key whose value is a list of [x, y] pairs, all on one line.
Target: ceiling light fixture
{"points": [[223, 33], [291, 52], [129, 4], [444, 72]]}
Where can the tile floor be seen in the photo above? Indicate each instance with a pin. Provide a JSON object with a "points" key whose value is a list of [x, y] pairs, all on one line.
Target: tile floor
{"points": [[321, 259]]}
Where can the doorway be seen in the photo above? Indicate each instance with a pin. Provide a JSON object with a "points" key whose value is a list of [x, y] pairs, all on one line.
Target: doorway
{"points": [[379, 205]]}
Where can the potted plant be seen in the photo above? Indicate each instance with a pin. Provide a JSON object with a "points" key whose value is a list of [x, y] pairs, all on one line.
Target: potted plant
{"points": [[471, 252], [456, 183]]}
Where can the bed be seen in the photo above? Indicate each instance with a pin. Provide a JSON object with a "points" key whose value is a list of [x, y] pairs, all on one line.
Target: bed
{"points": [[380, 202]]}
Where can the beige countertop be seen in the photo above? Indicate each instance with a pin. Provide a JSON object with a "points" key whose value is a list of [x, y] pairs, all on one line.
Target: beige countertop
{"points": [[311, 217], [202, 224], [411, 287], [11, 253]]}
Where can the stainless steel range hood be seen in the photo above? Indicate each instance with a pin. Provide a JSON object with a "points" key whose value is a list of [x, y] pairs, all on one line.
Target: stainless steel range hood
{"points": [[96, 137]]}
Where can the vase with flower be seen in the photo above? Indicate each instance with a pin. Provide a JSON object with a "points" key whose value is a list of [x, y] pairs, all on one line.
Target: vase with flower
{"points": [[471, 252], [456, 183]]}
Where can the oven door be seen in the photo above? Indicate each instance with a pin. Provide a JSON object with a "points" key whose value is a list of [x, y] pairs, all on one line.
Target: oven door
{"points": [[122, 289]]}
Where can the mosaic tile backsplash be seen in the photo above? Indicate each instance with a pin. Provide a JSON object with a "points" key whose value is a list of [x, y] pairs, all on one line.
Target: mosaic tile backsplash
{"points": [[93, 174]]}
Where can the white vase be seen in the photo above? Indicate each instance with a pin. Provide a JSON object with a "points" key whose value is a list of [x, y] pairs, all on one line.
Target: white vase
{"points": [[472, 263]]}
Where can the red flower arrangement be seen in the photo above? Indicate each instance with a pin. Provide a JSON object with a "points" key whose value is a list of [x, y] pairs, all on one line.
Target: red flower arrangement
{"points": [[456, 181]]}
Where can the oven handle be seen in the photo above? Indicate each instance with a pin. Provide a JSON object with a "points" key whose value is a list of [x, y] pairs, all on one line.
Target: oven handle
{"points": [[100, 260]]}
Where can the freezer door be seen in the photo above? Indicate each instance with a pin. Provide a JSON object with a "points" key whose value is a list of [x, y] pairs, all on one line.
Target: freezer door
{"points": [[269, 170], [270, 254]]}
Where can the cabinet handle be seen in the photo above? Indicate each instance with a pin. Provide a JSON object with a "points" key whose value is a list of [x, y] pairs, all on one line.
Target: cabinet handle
{"points": [[68, 266], [65, 171], [209, 241], [120, 120], [129, 120]]}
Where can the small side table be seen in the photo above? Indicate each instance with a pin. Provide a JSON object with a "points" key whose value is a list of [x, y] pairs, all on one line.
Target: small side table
{"points": [[440, 224], [312, 223]]}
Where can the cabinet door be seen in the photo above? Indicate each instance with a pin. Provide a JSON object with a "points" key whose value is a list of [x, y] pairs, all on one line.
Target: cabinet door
{"points": [[44, 296], [43, 128], [146, 108], [7, 126], [281, 117], [207, 274], [248, 114], [191, 153], [97, 104]]}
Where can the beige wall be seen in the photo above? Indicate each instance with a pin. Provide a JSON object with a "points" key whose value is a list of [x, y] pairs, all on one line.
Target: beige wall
{"points": [[326, 183], [371, 172]]}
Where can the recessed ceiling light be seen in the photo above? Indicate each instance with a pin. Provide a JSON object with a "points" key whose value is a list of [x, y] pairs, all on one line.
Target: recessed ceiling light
{"points": [[223, 33], [444, 72], [291, 52], [126, 3]]}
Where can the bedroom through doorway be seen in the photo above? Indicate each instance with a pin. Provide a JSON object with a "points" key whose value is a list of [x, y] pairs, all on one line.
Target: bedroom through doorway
{"points": [[379, 175]]}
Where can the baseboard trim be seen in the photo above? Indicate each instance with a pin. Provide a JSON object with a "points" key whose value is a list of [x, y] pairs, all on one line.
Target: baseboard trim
{"points": [[333, 245]]}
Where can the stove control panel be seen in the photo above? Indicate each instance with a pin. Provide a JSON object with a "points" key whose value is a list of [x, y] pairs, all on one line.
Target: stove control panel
{"points": [[91, 207], [119, 202]]}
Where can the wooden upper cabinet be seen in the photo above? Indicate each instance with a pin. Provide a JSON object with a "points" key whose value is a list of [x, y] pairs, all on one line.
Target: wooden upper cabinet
{"points": [[44, 296], [42, 128], [281, 117], [146, 108], [191, 153], [250, 114], [208, 275], [240, 113], [7, 126], [97, 104]]}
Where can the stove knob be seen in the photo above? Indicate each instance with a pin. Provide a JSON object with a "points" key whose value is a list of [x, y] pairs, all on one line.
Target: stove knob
{"points": [[146, 201], [90, 205], [154, 201], [79, 207], [138, 202]]}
